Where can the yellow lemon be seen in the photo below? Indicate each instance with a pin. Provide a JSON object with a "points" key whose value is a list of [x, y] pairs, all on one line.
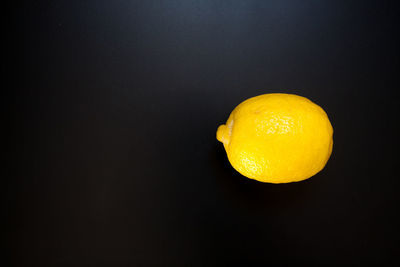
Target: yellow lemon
{"points": [[277, 138]]}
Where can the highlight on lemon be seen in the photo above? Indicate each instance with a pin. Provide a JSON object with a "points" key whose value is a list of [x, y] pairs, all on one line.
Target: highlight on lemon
{"points": [[277, 138]]}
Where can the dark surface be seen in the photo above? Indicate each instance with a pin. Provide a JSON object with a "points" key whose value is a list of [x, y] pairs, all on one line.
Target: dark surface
{"points": [[116, 107]]}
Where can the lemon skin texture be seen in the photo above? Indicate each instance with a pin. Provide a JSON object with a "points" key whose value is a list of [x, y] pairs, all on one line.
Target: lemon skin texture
{"points": [[277, 138]]}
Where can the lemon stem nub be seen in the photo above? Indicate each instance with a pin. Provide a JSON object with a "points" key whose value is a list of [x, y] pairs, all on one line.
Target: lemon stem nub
{"points": [[222, 134]]}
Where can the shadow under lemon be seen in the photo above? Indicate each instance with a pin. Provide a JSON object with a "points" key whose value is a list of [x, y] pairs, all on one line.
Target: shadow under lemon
{"points": [[253, 195]]}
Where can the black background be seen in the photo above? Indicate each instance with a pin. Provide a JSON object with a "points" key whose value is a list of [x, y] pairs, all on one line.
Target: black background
{"points": [[116, 105]]}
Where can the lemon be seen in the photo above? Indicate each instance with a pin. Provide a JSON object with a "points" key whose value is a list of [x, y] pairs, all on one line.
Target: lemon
{"points": [[277, 138]]}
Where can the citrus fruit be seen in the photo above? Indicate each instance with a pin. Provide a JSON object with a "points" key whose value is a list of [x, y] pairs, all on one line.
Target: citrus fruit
{"points": [[277, 138]]}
